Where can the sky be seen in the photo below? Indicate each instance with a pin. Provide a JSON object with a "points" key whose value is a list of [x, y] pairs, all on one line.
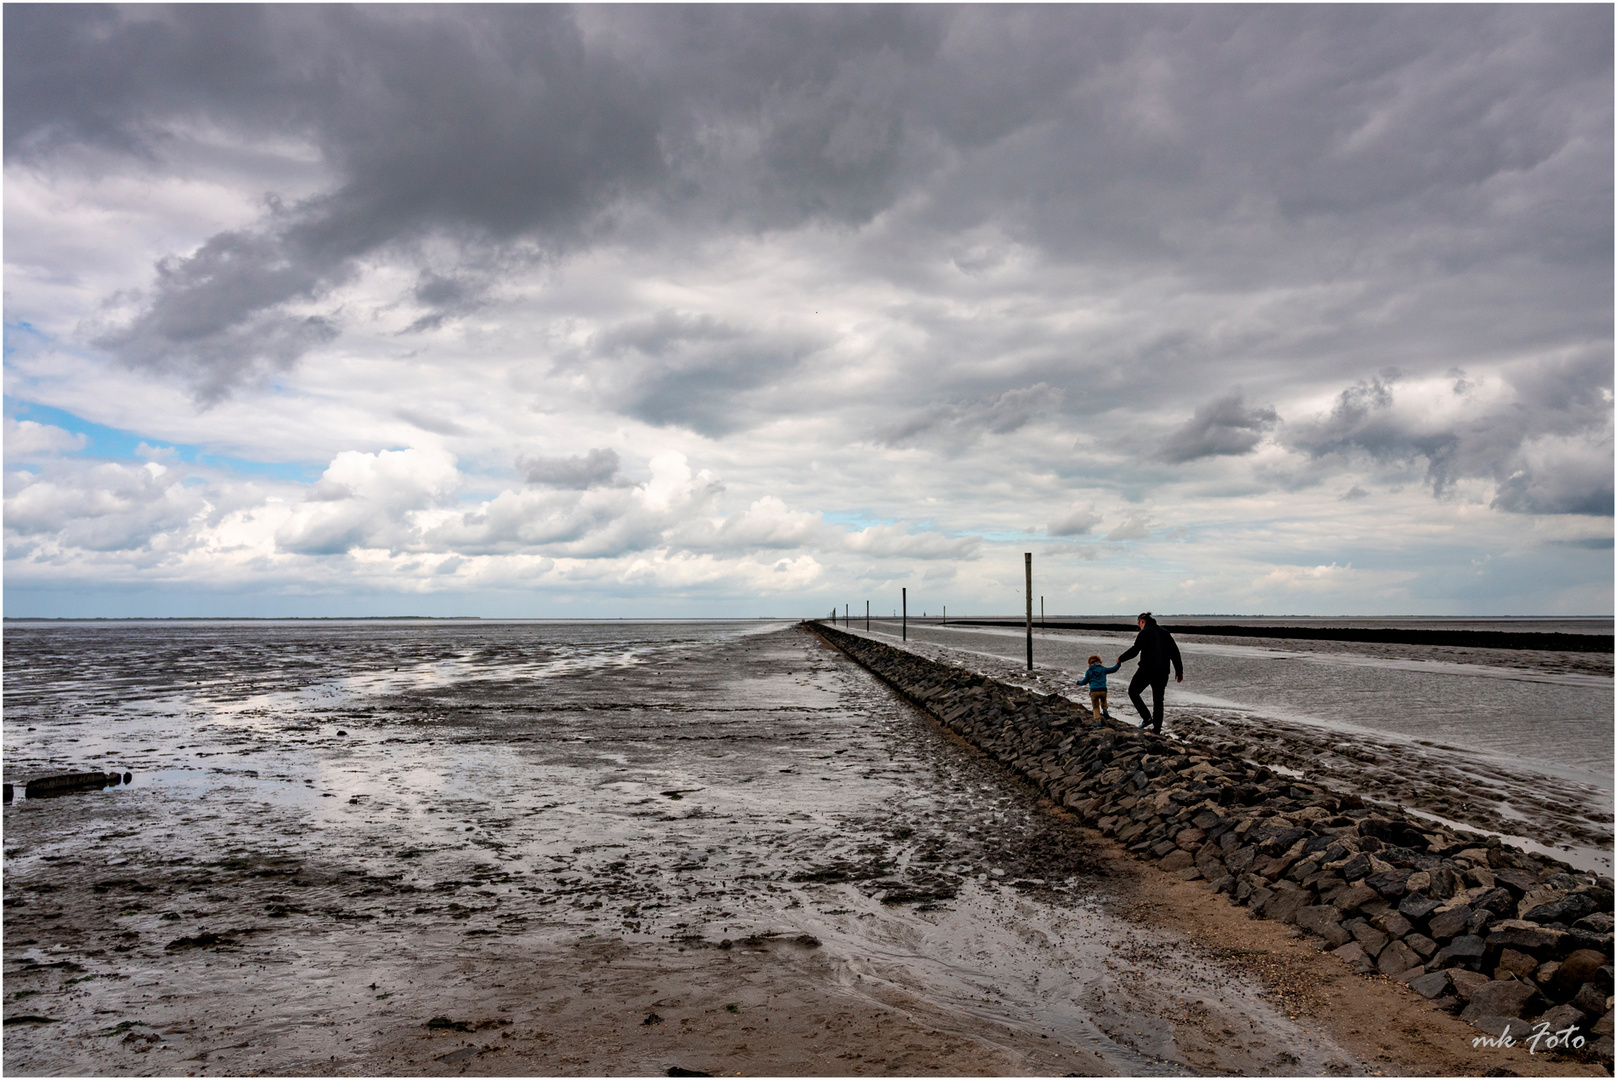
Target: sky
{"points": [[729, 310]]}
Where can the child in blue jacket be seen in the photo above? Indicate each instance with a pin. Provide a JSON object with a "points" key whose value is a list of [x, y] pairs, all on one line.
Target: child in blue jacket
{"points": [[1095, 679]]}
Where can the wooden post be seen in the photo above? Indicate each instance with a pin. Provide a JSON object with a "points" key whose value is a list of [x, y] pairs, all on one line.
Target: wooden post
{"points": [[945, 614], [867, 616], [845, 625], [905, 600], [1041, 613], [1027, 562]]}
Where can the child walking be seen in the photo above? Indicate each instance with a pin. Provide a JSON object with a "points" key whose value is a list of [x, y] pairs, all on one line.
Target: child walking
{"points": [[1095, 679]]}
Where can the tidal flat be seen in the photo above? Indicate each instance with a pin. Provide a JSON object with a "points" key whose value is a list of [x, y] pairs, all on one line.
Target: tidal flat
{"points": [[564, 848]]}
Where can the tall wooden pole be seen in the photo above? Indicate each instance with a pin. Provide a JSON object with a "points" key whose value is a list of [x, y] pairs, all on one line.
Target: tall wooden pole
{"points": [[1027, 562], [906, 603], [845, 624], [945, 614], [867, 616], [1041, 613]]}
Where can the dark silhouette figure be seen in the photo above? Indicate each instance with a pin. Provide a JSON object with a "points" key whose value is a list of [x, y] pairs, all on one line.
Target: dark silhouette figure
{"points": [[1156, 649]]}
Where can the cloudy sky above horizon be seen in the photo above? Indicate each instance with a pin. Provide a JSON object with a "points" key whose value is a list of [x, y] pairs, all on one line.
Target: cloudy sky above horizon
{"points": [[733, 310]]}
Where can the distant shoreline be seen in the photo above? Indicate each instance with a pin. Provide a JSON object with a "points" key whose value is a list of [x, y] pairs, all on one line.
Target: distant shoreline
{"points": [[1535, 641]]}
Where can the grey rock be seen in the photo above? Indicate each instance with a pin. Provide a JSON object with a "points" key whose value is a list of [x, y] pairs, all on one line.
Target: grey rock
{"points": [[1240, 860], [1431, 985], [1392, 924], [1515, 964], [1500, 998], [1598, 923], [1519, 882], [1352, 954], [1176, 860], [1353, 897], [1500, 1026], [1389, 883], [1590, 999], [1466, 982], [1446, 924], [1499, 902], [1278, 842], [1603, 1025], [1416, 908], [1467, 947], [1568, 909], [1356, 867], [1565, 1016], [1580, 967], [1396, 959], [1422, 944], [1372, 939], [1315, 916], [1523, 936], [1284, 905]]}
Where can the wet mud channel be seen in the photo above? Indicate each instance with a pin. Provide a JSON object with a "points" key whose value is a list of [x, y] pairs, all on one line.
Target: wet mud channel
{"points": [[513, 848]]}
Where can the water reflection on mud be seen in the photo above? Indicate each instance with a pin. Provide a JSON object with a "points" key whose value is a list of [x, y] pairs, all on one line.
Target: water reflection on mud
{"points": [[338, 833]]}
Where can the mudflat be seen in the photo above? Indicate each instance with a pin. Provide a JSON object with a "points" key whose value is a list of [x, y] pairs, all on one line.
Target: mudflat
{"points": [[531, 848]]}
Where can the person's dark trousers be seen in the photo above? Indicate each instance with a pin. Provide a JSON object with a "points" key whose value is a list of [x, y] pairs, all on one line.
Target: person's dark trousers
{"points": [[1158, 682]]}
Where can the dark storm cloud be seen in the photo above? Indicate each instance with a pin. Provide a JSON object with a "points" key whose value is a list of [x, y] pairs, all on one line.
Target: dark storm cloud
{"points": [[598, 466], [679, 369], [1247, 147], [1225, 427], [498, 122]]}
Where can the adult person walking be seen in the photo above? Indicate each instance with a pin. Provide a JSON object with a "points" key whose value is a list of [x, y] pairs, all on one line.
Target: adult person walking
{"points": [[1156, 649]]}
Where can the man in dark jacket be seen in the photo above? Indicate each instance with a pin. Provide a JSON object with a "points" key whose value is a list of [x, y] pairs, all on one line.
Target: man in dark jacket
{"points": [[1156, 649]]}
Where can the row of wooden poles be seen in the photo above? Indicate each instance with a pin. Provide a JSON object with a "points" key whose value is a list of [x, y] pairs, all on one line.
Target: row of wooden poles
{"points": [[904, 610]]}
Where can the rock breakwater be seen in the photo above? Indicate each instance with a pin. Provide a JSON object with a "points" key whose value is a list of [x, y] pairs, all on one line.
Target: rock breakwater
{"points": [[1497, 935]]}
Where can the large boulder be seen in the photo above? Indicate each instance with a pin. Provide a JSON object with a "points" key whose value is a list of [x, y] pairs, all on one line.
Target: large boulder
{"points": [[1522, 936], [1447, 924], [1416, 907], [1466, 949], [1498, 902], [1392, 924], [1396, 959], [1352, 954], [1590, 998], [1372, 939], [1324, 920], [1354, 897], [1520, 882], [1389, 883], [1565, 1016], [1431, 985], [1285, 903], [1515, 965], [1580, 967], [1356, 867], [1240, 860], [1501, 997], [1569, 909], [1598, 923], [1177, 860], [1466, 982], [1422, 944]]}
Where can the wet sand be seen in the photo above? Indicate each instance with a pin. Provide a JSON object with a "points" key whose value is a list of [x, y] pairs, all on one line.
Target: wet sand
{"points": [[715, 848]]}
